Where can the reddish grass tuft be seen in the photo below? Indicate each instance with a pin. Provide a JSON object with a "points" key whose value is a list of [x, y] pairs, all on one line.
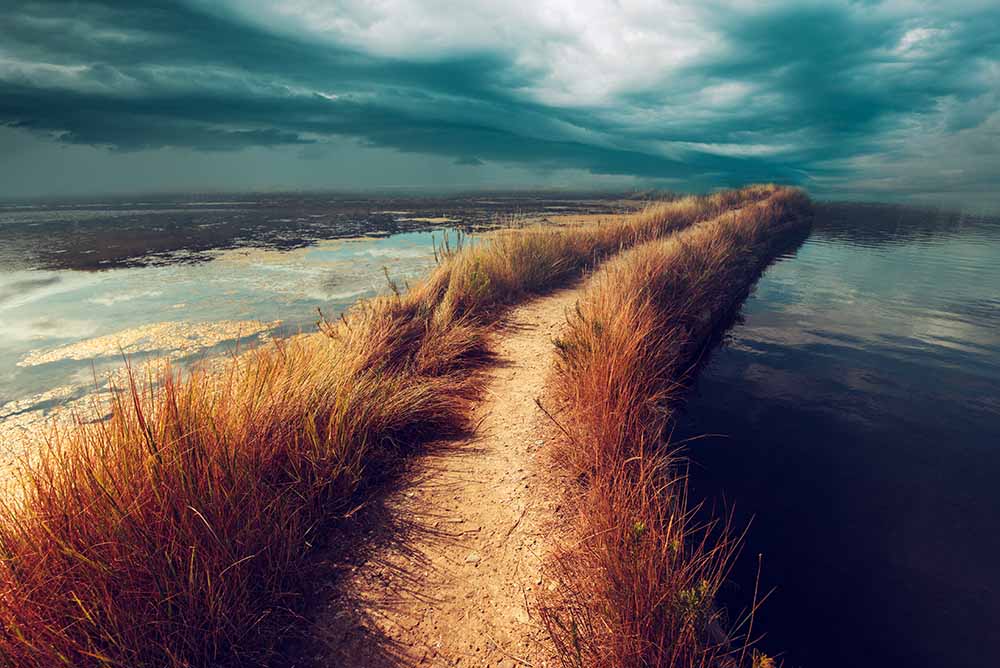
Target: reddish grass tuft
{"points": [[636, 582], [172, 534]]}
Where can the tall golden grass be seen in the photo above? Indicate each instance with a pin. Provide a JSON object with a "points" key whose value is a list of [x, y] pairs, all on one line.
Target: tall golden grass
{"points": [[173, 533], [636, 582]]}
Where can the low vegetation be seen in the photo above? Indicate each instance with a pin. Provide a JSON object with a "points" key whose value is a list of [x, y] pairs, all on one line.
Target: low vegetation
{"points": [[173, 532], [638, 576]]}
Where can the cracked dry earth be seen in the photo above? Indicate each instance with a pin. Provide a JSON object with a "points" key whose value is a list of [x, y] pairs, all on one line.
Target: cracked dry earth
{"points": [[455, 584]]}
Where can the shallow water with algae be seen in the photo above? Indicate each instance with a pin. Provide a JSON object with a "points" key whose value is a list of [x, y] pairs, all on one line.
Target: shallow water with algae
{"points": [[85, 284]]}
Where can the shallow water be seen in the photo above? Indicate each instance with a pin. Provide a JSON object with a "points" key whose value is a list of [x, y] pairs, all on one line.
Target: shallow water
{"points": [[84, 283], [855, 416], [859, 401]]}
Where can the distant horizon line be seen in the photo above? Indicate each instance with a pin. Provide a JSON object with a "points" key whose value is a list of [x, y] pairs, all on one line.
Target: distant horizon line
{"points": [[987, 204], [416, 191]]}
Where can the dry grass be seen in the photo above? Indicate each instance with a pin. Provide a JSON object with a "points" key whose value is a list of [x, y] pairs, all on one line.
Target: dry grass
{"points": [[173, 533], [637, 584]]}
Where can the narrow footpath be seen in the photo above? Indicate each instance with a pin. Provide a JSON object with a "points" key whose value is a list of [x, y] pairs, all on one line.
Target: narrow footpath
{"points": [[454, 585]]}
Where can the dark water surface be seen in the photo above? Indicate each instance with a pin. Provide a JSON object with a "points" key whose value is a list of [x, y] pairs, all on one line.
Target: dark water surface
{"points": [[168, 229], [857, 414], [859, 401]]}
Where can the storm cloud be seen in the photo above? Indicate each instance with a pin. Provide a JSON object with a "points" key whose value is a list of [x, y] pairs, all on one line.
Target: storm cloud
{"points": [[851, 98]]}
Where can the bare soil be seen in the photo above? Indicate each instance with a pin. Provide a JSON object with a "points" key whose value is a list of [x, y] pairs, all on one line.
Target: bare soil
{"points": [[453, 583]]}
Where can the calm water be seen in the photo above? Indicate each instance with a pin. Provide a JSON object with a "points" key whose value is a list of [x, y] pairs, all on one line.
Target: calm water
{"points": [[858, 403], [857, 414]]}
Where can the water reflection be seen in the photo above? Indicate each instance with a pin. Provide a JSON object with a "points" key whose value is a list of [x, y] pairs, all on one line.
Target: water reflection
{"points": [[859, 403], [892, 224]]}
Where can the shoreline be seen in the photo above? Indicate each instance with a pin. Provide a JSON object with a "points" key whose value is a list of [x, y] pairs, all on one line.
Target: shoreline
{"points": [[638, 577], [398, 370]]}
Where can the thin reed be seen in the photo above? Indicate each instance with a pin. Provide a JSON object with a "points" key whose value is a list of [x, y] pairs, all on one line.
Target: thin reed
{"points": [[174, 532], [637, 579]]}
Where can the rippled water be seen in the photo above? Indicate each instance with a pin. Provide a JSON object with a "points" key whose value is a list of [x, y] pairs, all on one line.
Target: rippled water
{"points": [[856, 418]]}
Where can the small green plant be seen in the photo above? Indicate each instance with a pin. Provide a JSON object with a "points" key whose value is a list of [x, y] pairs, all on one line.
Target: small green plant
{"points": [[695, 603], [638, 529]]}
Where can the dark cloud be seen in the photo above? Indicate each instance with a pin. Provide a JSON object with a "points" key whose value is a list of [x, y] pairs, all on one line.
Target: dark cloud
{"points": [[835, 72], [794, 93]]}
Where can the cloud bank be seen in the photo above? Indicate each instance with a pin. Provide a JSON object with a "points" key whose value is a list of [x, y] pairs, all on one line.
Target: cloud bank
{"points": [[851, 98]]}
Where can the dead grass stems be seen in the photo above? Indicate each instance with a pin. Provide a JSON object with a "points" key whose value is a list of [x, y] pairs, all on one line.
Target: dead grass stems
{"points": [[637, 581], [173, 533]]}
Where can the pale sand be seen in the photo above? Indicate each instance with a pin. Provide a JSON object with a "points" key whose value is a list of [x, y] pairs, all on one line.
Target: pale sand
{"points": [[455, 585]]}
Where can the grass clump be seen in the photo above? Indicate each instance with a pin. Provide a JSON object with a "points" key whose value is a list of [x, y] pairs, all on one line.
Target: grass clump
{"points": [[174, 532], [636, 585]]}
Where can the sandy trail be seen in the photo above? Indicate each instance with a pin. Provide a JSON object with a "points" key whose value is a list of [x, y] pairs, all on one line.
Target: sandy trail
{"points": [[454, 585]]}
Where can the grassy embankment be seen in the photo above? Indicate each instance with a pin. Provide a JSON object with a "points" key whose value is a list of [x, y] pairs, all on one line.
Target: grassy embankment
{"points": [[638, 579], [173, 533]]}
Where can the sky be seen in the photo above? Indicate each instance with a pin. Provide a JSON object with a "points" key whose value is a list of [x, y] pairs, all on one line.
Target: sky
{"points": [[862, 99]]}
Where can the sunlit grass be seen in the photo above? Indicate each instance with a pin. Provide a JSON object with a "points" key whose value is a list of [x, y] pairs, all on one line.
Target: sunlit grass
{"points": [[638, 578], [174, 532]]}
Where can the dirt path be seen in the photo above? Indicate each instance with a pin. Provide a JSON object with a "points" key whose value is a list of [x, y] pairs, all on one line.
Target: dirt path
{"points": [[454, 587]]}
